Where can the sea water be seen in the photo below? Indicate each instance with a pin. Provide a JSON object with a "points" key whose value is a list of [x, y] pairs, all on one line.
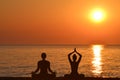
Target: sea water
{"points": [[97, 60]]}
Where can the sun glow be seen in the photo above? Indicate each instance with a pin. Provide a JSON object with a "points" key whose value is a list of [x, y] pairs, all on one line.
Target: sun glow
{"points": [[97, 15], [97, 59]]}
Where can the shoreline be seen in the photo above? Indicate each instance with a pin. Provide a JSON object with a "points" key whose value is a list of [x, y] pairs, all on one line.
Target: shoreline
{"points": [[58, 78]]}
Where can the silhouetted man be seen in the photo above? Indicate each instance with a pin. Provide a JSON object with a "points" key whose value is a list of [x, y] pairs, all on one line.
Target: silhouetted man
{"points": [[74, 63], [44, 67]]}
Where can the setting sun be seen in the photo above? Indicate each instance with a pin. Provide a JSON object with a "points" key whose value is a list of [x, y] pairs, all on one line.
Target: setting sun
{"points": [[97, 15]]}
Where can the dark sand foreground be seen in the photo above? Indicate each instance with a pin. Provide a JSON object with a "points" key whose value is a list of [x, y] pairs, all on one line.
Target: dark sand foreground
{"points": [[57, 78]]}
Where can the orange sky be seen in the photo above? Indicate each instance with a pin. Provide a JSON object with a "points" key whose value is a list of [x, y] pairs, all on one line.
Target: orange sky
{"points": [[58, 22]]}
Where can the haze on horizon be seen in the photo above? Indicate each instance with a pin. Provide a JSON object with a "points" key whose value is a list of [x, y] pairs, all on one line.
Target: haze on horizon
{"points": [[58, 22]]}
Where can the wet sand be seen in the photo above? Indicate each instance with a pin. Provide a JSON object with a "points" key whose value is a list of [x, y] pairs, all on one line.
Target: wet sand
{"points": [[57, 78]]}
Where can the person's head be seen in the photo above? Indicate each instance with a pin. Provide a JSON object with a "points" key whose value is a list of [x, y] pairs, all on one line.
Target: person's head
{"points": [[74, 57], [43, 55]]}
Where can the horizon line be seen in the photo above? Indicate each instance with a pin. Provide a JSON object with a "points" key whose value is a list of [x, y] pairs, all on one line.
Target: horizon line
{"points": [[57, 44]]}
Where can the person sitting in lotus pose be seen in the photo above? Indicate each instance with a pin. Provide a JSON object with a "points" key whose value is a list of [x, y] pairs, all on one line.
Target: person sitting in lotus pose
{"points": [[44, 67], [74, 63]]}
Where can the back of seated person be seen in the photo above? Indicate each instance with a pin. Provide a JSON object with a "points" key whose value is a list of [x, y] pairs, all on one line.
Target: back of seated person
{"points": [[44, 67]]}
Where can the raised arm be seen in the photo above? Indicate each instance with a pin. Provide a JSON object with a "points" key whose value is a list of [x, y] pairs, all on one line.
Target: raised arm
{"points": [[70, 55], [80, 56]]}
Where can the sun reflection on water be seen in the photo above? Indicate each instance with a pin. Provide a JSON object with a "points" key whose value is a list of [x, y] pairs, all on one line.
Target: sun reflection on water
{"points": [[97, 59]]}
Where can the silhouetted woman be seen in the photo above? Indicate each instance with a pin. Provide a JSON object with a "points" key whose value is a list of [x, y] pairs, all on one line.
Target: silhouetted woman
{"points": [[74, 63], [44, 67]]}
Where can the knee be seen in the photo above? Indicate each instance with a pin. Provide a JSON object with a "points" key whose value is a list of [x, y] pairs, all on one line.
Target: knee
{"points": [[34, 75], [67, 75], [82, 75]]}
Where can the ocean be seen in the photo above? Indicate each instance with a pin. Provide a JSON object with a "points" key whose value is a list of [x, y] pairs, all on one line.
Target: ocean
{"points": [[97, 60]]}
